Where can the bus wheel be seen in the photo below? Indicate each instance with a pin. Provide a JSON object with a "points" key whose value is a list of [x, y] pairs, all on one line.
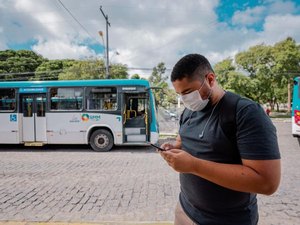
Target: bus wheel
{"points": [[101, 141]]}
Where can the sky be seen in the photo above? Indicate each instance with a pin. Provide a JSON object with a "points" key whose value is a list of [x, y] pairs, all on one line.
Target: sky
{"points": [[143, 33]]}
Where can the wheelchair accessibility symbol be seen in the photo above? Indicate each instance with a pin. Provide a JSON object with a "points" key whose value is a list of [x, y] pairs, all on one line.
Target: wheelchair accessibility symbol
{"points": [[13, 117]]}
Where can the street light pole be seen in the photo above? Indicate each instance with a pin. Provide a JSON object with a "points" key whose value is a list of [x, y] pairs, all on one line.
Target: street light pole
{"points": [[107, 48]]}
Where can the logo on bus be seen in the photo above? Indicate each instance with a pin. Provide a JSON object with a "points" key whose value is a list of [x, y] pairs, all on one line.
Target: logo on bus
{"points": [[87, 117], [13, 118]]}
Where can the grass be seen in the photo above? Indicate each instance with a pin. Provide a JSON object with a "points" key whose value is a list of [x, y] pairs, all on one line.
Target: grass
{"points": [[280, 115]]}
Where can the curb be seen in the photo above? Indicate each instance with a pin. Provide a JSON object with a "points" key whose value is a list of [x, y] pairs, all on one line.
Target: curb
{"points": [[167, 134], [287, 120]]}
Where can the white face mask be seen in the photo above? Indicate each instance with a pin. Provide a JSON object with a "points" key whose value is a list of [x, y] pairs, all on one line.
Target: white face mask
{"points": [[193, 101]]}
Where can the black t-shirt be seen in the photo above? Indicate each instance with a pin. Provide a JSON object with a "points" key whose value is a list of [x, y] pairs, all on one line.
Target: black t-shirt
{"points": [[208, 203]]}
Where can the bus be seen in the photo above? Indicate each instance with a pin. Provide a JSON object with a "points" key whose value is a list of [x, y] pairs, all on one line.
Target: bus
{"points": [[101, 113], [296, 108]]}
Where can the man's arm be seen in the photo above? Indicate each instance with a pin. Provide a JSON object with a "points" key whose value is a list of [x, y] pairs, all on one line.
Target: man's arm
{"points": [[256, 176]]}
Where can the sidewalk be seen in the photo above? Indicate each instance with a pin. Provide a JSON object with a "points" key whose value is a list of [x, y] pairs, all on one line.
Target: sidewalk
{"points": [[103, 223]]}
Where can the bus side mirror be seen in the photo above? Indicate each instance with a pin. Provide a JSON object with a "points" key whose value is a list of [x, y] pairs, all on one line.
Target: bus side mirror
{"points": [[295, 82]]}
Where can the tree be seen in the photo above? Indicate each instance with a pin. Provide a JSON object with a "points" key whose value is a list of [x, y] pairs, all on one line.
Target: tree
{"points": [[258, 61], [158, 80], [222, 69], [118, 71], [273, 67], [170, 97], [287, 61], [158, 74], [19, 64], [84, 70], [135, 76], [241, 84], [50, 69], [93, 69]]}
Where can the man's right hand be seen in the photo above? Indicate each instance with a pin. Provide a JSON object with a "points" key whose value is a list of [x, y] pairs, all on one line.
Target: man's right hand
{"points": [[167, 146]]}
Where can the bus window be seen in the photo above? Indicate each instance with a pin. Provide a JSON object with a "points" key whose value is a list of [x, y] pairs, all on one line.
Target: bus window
{"points": [[66, 98], [41, 106], [7, 99], [136, 105], [27, 106], [102, 98]]}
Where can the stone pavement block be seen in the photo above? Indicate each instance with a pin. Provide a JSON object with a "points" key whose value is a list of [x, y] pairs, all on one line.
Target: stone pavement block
{"points": [[68, 208]]}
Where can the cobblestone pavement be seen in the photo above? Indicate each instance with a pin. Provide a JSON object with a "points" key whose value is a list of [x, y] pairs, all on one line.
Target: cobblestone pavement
{"points": [[283, 208], [80, 185], [74, 184]]}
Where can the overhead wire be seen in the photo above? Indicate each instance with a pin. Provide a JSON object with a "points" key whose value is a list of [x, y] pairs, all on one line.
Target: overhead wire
{"points": [[46, 74], [64, 70], [77, 21]]}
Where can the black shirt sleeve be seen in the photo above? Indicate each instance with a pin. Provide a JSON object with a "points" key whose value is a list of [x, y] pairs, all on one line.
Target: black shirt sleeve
{"points": [[256, 134]]}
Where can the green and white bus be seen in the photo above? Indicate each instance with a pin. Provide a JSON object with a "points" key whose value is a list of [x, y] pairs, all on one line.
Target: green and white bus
{"points": [[102, 113], [296, 108]]}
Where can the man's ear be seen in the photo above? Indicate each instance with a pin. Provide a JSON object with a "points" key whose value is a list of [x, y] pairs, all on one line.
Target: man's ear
{"points": [[211, 77]]}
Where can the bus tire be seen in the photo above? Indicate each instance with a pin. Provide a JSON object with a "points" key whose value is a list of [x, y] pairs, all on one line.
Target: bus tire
{"points": [[101, 140]]}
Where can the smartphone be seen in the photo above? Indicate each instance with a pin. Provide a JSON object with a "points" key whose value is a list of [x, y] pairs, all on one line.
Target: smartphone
{"points": [[159, 148]]}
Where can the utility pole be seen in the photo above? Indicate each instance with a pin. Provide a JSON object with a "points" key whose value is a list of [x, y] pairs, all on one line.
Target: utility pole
{"points": [[107, 48]]}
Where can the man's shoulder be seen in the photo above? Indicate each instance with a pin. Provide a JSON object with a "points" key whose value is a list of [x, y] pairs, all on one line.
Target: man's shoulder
{"points": [[240, 105], [241, 101], [246, 104]]}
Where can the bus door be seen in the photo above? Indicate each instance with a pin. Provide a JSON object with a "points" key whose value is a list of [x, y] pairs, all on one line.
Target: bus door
{"points": [[33, 108], [136, 117]]}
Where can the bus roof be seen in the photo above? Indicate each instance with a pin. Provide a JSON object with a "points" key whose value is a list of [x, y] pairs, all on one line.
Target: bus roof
{"points": [[58, 83]]}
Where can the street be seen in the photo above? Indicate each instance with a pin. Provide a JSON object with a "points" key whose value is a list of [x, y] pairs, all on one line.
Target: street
{"points": [[75, 184]]}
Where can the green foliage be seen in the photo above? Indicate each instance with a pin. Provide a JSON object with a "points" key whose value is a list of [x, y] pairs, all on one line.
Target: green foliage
{"points": [[19, 64], [118, 71], [272, 67], [93, 69], [50, 69], [158, 80], [135, 76], [241, 84], [287, 57], [84, 70], [170, 98], [158, 74], [222, 69]]}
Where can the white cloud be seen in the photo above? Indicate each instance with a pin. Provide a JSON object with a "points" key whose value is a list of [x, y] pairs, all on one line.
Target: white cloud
{"points": [[57, 49], [278, 27], [248, 17], [282, 7]]}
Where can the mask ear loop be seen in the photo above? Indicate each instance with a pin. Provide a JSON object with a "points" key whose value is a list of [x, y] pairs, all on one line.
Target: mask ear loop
{"points": [[201, 86], [210, 92]]}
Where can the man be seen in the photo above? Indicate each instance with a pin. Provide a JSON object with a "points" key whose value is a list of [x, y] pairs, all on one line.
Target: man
{"points": [[220, 173]]}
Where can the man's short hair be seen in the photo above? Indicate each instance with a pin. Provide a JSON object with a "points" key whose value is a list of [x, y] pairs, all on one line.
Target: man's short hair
{"points": [[192, 66]]}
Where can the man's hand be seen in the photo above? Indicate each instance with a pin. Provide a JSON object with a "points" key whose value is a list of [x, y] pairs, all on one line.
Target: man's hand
{"points": [[167, 146], [179, 160]]}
